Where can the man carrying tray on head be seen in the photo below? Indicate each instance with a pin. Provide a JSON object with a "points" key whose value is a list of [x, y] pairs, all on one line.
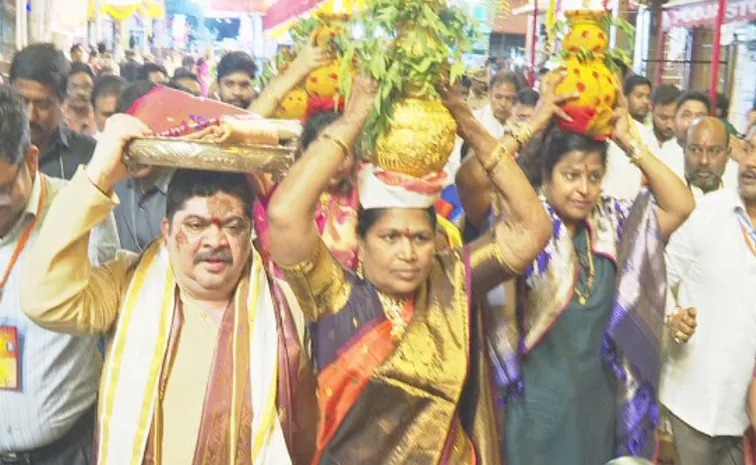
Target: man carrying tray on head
{"points": [[191, 372]]}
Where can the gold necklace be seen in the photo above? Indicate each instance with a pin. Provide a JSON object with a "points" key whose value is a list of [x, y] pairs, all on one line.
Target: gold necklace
{"points": [[583, 297], [325, 199], [394, 310]]}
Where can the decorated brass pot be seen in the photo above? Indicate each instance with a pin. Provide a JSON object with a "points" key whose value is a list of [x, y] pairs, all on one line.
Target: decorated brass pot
{"points": [[419, 139], [588, 75]]}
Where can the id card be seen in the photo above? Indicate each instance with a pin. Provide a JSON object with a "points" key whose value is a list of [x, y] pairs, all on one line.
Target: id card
{"points": [[9, 362]]}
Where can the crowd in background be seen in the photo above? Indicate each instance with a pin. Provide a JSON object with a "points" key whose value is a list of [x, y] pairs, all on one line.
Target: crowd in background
{"points": [[711, 314]]}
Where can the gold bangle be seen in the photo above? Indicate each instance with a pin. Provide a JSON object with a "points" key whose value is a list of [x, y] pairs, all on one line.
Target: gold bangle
{"points": [[521, 133], [636, 154], [495, 158], [337, 142]]}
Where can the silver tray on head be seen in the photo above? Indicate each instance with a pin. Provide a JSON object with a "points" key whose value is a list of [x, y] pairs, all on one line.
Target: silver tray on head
{"points": [[198, 155]]}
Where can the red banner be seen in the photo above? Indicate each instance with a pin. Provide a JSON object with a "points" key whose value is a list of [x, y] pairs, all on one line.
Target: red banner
{"points": [[284, 10], [705, 13]]}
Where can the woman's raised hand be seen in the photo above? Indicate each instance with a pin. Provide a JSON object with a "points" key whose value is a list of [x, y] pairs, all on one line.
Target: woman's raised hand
{"points": [[362, 101], [623, 131], [550, 103]]}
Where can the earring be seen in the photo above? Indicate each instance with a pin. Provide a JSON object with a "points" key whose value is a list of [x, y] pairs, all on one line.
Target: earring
{"points": [[358, 271]]}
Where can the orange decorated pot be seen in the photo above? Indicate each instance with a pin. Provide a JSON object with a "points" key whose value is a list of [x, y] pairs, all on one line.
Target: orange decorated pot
{"points": [[293, 106]]}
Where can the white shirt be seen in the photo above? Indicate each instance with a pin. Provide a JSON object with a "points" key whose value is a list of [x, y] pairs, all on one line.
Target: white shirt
{"points": [[486, 117], [704, 382], [59, 372], [623, 180]]}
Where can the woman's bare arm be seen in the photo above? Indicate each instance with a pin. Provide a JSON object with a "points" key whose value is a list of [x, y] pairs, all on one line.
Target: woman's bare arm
{"points": [[293, 234], [308, 60]]}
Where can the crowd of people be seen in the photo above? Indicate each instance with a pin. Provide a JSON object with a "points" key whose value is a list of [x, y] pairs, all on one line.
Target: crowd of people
{"points": [[564, 301]]}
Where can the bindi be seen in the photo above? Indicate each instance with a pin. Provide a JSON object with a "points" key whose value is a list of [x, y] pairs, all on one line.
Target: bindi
{"points": [[217, 221]]}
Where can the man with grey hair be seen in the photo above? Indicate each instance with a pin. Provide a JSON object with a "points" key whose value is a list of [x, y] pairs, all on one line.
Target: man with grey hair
{"points": [[48, 380]]}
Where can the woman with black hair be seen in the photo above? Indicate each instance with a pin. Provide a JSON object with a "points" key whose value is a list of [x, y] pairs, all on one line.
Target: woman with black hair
{"points": [[399, 373], [577, 364]]}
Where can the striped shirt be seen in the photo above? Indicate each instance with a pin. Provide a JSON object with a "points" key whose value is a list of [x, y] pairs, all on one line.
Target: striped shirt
{"points": [[59, 373]]}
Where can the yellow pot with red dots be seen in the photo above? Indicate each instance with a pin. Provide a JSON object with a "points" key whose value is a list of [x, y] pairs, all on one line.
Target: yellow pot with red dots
{"points": [[324, 35], [293, 106], [592, 112], [325, 82], [589, 76], [586, 31]]}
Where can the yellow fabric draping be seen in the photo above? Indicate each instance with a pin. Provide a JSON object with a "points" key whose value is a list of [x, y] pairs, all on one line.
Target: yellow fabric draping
{"points": [[121, 10]]}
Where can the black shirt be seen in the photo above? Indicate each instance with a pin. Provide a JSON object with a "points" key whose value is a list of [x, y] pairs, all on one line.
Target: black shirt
{"points": [[67, 150]]}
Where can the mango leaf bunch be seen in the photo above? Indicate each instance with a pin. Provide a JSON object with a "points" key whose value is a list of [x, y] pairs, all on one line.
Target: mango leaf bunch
{"points": [[407, 46]]}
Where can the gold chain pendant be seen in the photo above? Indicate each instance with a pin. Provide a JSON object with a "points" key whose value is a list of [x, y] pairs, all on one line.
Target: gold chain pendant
{"points": [[394, 310], [583, 298]]}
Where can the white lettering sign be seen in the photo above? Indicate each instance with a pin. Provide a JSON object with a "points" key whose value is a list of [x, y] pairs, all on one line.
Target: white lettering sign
{"points": [[705, 13]]}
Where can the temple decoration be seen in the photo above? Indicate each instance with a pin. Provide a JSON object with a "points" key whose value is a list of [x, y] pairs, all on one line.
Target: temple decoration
{"points": [[407, 46], [591, 68]]}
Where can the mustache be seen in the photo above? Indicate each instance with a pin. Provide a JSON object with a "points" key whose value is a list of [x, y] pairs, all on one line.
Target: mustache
{"points": [[35, 127], [701, 171], [220, 255]]}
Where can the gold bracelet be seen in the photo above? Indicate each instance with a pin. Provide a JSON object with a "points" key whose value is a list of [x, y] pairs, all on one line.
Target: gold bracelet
{"points": [[636, 153], [521, 133], [495, 158], [337, 142]]}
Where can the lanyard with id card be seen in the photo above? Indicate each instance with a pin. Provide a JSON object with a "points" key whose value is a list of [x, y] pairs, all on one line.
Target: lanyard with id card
{"points": [[9, 350], [9, 366]]}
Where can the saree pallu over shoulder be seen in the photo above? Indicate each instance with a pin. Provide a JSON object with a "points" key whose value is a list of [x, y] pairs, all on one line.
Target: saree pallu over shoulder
{"points": [[135, 362], [629, 235], [408, 411]]}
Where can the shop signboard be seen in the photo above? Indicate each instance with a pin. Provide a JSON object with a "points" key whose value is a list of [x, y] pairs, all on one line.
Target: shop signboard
{"points": [[688, 15]]}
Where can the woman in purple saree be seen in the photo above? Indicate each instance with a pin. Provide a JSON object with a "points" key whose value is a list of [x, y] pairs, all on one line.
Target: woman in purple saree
{"points": [[577, 364]]}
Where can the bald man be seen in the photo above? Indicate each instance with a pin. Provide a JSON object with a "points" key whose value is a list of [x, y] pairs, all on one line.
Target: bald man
{"points": [[708, 165], [711, 269]]}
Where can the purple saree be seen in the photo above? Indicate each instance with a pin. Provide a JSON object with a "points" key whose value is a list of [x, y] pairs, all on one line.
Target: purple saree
{"points": [[632, 344]]}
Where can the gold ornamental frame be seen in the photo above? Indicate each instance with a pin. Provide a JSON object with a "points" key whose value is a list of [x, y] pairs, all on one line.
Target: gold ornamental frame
{"points": [[199, 155]]}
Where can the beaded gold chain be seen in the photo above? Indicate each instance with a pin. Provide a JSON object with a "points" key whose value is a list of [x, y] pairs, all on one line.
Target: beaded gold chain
{"points": [[584, 296]]}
